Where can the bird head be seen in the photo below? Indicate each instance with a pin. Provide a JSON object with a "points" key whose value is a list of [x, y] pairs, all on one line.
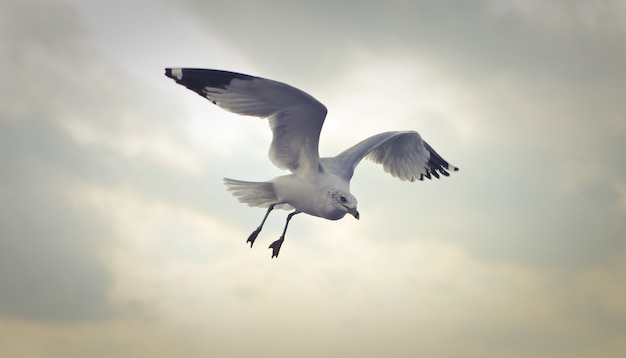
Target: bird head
{"points": [[343, 203]]}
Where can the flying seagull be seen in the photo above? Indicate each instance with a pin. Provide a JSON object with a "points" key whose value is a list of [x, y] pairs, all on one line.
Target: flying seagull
{"points": [[316, 186]]}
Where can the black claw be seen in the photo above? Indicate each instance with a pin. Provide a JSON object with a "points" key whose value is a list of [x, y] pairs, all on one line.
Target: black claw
{"points": [[253, 236], [256, 232], [275, 246]]}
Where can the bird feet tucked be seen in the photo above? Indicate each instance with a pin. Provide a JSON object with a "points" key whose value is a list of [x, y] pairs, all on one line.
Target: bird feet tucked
{"points": [[253, 236], [275, 246]]}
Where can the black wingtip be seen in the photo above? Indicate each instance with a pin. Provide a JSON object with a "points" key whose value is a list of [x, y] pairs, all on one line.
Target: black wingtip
{"points": [[174, 73], [202, 80]]}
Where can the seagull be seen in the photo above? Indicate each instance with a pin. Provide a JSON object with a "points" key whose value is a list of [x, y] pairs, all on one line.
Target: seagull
{"points": [[316, 186]]}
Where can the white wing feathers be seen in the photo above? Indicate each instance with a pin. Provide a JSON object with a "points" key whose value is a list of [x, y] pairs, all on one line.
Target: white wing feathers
{"points": [[295, 117], [403, 154]]}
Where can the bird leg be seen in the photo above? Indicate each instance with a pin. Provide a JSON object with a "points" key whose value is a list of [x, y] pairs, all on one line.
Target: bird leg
{"points": [[256, 232], [275, 246]]}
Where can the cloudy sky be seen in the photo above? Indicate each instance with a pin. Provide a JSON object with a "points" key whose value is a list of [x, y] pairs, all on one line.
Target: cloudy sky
{"points": [[117, 237]]}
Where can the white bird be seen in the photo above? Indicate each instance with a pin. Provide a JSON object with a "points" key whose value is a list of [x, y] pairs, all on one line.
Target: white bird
{"points": [[316, 186]]}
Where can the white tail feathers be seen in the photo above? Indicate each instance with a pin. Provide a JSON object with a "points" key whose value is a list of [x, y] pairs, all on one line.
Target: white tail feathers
{"points": [[259, 194]]}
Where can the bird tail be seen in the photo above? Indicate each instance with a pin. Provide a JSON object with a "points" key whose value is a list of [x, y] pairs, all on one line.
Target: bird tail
{"points": [[259, 194]]}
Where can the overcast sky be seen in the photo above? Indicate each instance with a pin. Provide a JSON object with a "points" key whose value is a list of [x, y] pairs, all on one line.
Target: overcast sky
{"points": [[118, 238]]}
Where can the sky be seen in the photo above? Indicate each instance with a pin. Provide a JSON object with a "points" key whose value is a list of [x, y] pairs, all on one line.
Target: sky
{"points": [[118, 238]]}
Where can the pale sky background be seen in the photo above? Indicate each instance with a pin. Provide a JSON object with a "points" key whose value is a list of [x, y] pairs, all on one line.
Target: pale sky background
{"points": [[118, 238]]}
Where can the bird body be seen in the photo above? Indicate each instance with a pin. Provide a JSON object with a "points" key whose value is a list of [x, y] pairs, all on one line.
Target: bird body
{"points": [[316, 186], [293, 191]]}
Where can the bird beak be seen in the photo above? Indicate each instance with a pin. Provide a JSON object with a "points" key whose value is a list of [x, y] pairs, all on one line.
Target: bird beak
{"points": [[354, 213]]}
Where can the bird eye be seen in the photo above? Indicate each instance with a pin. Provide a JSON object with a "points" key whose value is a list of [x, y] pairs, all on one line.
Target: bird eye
{"points": [[343, 199]]}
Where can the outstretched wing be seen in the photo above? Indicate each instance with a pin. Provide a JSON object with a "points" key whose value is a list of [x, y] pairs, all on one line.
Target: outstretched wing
{"points": [[295, 117], [404, 155]]}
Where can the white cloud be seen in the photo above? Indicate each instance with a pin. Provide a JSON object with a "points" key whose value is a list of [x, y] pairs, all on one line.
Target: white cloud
{"points": [[139, 144]]}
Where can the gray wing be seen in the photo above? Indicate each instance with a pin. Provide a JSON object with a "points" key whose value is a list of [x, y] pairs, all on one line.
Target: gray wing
{"points": [[404, 155], [295, 117]]}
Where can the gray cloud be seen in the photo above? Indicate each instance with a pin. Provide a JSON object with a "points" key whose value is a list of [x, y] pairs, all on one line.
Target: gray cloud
{"points": [[536, 211], [50, 249], [549, 93], [545, 84], [474, 38], [52, 246]]}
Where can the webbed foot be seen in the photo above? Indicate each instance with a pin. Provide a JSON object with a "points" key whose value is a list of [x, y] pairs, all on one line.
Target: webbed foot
{"points": [[253, 236], [275, 246]]}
